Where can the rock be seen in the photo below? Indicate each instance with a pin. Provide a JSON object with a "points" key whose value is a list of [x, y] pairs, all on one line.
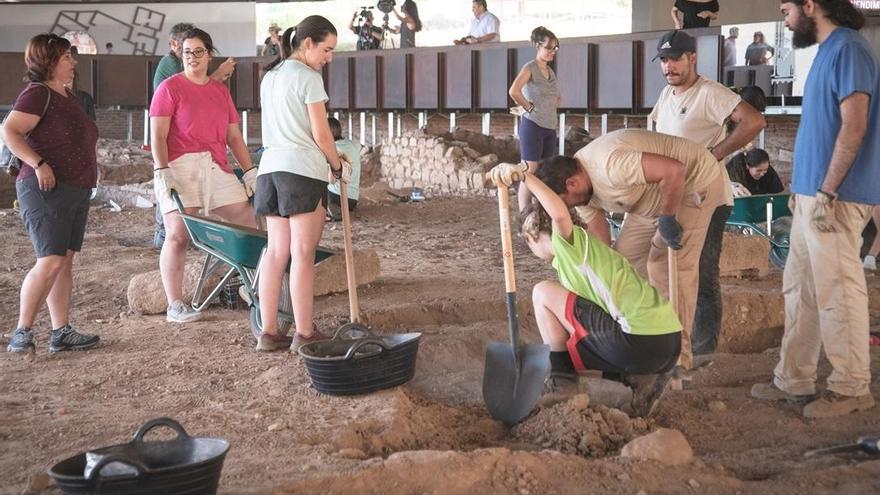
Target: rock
{"points": [[146, 295], [491, 158], [580, 402], [330, 274], [276, 426], [717, 406], [352, 454], [665, 446], [743, 254], [694, 483], [36, 483], [453, 152], [472, 153]]}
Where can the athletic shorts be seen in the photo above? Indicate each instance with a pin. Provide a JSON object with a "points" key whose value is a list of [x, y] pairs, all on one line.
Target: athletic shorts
{"points": [[335, 199], [56, 219], [598, 343], [201, 183], [282, 194], [536, 142]]}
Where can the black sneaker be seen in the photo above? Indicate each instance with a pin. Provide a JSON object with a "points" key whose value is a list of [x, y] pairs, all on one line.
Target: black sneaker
{"points": [[22, 340], [647, 391], [68, 339]]}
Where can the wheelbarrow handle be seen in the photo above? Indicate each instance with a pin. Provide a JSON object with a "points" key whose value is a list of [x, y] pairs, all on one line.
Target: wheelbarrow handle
{"points": [[163, 421]]}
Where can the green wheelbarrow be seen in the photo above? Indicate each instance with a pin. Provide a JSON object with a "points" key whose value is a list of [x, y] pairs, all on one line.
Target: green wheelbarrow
{"points": [[232, 249], [766, 215]]}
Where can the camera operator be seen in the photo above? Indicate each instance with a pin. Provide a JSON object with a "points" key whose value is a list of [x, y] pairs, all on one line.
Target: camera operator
{"points": [[369, 36]]}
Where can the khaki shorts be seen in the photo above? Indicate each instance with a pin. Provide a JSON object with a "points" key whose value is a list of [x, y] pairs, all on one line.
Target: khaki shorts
{"points": [[201, 183]]}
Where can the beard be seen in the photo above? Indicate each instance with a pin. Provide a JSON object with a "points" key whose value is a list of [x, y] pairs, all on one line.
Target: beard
{"points": [[804, 34]]}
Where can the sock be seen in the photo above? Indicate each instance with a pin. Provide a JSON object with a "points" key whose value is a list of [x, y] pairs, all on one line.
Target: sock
{"points": [[560, 362]]}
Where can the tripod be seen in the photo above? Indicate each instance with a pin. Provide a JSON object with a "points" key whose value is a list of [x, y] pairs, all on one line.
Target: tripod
{"points": [[386, 31]]}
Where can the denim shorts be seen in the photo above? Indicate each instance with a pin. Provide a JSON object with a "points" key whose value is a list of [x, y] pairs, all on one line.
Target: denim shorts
{"points": [[56, 219]]}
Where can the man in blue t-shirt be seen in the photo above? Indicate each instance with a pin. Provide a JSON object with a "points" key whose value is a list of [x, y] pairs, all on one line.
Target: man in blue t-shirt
{"points": [[834, 184]]}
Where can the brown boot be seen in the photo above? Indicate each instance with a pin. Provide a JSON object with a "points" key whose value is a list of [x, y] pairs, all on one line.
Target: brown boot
{"points": [[300, 340], [769, 391], [831, 404], [268, 342]]}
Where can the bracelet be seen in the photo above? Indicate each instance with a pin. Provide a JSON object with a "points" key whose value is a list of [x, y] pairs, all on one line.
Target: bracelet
{"points": [[40, 163]]}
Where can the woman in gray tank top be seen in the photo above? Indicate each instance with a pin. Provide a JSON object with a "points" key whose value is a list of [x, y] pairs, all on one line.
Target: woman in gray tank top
{"points": [[410, 24], [536, 91]]}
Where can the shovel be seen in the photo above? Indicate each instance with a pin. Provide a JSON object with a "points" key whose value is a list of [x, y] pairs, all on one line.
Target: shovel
{"points": [[353, 329], [514, 375]]}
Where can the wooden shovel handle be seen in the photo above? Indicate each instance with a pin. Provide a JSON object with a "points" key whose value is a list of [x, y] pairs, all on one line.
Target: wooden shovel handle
{"points": [[506, 241], [673, 279], [353, 306]]}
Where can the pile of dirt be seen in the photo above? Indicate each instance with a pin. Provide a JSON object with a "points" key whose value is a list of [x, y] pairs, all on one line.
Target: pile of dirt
{"points": [[573, 427]]}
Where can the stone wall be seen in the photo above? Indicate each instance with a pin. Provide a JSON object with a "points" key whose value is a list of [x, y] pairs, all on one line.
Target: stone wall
{"points": [[443, 165]]}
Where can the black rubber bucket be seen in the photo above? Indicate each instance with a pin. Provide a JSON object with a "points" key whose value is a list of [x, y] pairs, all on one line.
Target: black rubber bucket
{"points": [[184, 465], [362, 365]]}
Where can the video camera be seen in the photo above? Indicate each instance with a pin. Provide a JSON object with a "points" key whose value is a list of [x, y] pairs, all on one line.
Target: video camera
{"points": [[365, 11], [385, 6]]}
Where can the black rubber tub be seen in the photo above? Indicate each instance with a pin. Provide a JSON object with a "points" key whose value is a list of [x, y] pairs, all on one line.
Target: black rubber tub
{"points": [[184, 465], [361, 365]]}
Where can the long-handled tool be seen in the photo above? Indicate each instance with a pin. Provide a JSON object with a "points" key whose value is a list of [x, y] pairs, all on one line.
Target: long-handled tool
{"points": [[868, 445], [354, 328], [513, 378]]}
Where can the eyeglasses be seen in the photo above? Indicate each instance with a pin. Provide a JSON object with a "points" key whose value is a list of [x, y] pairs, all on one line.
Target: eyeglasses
{"points": [[554, 48], [197, 53]]}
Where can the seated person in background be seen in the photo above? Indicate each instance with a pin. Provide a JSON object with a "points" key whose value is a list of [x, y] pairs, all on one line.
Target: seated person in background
{"points": [[484, 27], [349, 151], [752, 170], [600, 315]]}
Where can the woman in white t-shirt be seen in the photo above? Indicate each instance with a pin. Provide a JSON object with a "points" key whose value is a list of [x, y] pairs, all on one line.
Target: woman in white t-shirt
{"points": [[293, 176]]}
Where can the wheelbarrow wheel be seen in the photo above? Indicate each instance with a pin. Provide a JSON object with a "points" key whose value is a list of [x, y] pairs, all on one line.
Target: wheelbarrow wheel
{"points": [[285, 307], [779, 243]]}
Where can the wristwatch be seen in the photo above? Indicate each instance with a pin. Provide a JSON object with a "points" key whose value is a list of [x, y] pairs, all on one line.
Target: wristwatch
{"points": [[831, 197]]}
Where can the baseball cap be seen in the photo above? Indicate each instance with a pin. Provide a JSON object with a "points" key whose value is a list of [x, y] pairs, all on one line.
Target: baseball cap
{"points": [[674, 43]]}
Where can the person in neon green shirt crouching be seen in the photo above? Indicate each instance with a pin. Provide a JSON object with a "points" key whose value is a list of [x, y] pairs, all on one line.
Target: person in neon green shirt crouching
{"points": [[600, 314]]}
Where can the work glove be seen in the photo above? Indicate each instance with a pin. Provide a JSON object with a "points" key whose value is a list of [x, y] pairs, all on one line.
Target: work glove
{"points": [[505, 174], [250, 182], [344, 172], [670, 231], [822, 217], [163, 182]]}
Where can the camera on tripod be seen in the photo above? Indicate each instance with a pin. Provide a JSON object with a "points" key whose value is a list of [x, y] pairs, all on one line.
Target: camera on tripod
{"points": [[386, 6], [364, 13]]}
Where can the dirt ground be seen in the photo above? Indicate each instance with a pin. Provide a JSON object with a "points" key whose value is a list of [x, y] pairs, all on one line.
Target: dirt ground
{"points": [[442, 276]]}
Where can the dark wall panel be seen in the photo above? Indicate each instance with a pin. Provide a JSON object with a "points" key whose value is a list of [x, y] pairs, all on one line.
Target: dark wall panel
{"points": [[709, 56], [394, 90], [653, 81], [521, 56], [457, 83], [425, 80], [246, 85], [493, 77], [123, 81], [365, 83], [572, 69], [338, 76], [11, 82], [614, 81]]}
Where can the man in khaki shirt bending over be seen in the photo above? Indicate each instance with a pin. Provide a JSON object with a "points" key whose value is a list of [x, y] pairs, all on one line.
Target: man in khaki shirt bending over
{"points": [[651, 177], [701, 110]]}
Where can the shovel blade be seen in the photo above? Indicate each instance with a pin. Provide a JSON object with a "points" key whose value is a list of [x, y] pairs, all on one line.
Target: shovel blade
{"points": [[513, 382]]}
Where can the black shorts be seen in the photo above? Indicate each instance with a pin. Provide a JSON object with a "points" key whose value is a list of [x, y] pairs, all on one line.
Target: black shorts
{"points": [[56, 219], [598, 343], [282, 194]]}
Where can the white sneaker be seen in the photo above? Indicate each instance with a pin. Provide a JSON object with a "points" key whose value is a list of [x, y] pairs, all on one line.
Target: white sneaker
{"points": [[870, 263], [179, 312]]}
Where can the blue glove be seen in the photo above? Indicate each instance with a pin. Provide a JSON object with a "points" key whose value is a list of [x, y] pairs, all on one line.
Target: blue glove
{"points": [[670, 231]]}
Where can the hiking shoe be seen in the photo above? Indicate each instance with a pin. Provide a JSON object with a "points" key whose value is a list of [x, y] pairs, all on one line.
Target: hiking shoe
{"points": [[769, 391], [268, 342], [647, 391], [559, 387], [300, 340], [831, 404], [179, 312], [67, 338], [22, 340]]}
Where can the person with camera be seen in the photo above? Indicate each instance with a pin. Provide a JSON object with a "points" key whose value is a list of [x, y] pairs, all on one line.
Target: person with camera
{"points": [[410, 24], [369, 35], [484, 27], [299, 161], [55, 140]]}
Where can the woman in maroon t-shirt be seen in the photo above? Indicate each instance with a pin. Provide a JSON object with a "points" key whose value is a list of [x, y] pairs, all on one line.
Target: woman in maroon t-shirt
{"points": [[55, 140]]}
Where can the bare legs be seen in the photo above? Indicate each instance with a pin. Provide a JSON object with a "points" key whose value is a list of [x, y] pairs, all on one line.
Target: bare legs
{"points": [[50, 280]]}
